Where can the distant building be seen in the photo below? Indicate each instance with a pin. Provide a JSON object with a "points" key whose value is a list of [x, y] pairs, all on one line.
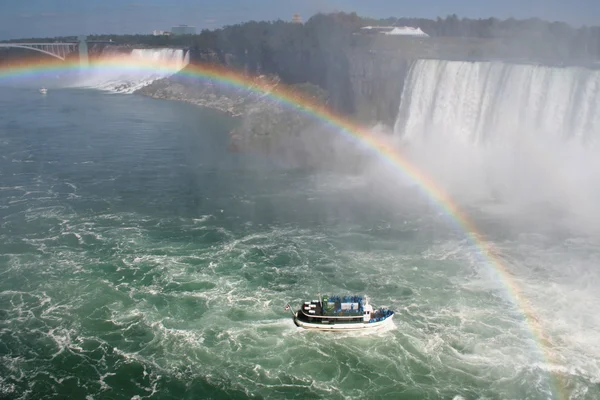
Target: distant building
{"points": [[183, 30], [407, 31], [161, 33], [394, 30], [297, 19]]}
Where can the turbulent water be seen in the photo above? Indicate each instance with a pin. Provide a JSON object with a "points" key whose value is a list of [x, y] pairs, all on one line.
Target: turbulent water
{"points": [[140, 68], [140, 259]]}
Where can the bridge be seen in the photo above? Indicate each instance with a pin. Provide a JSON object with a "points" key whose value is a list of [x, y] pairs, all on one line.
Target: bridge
{"points": [[59, 50]]}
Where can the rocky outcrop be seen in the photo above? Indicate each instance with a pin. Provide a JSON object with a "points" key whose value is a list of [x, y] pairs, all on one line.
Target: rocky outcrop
{"points": [[267, 125], [213, 94]]}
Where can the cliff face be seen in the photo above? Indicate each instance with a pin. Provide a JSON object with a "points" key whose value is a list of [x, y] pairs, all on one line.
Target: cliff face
{"points": [[377, 80]]}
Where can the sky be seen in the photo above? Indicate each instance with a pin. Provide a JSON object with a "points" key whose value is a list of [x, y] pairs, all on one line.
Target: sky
{"points": [[48, 18]]}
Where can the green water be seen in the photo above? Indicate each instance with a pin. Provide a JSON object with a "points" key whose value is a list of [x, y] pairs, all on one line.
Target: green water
{"points": [[140, 259]]}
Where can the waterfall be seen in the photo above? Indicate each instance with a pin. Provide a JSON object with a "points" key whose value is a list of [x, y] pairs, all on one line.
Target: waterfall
{"points": [[130, 72], [480, 101], [491, 131]]}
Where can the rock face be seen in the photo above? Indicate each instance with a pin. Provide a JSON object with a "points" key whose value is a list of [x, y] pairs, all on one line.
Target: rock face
{"points": [[377, 80]]}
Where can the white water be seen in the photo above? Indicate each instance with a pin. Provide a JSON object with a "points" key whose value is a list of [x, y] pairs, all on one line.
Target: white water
{"points": [[520, 135], [477, 101], [157, 64], [519, 144]]}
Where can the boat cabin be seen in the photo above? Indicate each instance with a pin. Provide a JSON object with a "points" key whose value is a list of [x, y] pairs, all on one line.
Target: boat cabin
{"points": [[340, 310]]}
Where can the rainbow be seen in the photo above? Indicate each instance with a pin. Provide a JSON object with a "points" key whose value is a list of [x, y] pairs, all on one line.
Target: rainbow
{"points": [[350, 130]]}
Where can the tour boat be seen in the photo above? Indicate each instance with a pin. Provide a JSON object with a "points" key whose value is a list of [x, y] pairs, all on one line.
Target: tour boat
{"points": [[43, 90], [341, 314]]}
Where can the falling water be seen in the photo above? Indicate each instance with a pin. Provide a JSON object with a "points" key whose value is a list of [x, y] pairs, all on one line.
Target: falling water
{"points": [[139, 68]]}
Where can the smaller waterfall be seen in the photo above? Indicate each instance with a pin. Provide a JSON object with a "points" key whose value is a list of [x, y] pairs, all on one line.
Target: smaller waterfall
{"points": [[130, 72]]}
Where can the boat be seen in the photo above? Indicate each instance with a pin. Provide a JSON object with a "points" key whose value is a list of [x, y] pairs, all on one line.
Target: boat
{"points": [[341, 314], [43, 90]]}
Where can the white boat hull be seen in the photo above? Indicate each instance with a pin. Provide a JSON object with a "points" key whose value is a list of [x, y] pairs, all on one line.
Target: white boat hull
{"points": [[344, 327]]}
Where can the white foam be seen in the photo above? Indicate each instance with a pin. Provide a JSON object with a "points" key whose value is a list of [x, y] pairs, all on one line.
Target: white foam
{"points": [[152, 64]]}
